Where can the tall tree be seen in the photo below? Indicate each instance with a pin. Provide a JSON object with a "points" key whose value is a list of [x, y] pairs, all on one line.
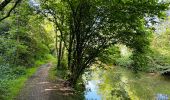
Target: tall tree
{"points": [[87, 27]]}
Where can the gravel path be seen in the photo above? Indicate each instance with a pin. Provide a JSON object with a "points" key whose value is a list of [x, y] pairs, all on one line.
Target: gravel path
{"points": [[38, 87]]}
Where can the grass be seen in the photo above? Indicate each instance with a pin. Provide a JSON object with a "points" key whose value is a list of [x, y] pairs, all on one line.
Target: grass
{"points": [[52, 73], [50, 58]]}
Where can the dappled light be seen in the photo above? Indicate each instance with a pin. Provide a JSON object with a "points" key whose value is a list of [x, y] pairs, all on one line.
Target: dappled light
{"points": [[43, 83], [84, 49]]}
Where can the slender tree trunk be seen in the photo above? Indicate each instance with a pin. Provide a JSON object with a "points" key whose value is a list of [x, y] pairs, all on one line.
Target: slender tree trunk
{"points": [[63, 51], [75, 75], [70, 51], [59, 55], [56, 43]]}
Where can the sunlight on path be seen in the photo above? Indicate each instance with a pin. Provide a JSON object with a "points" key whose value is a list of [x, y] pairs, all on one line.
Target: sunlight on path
{"points": [[37, 87]]}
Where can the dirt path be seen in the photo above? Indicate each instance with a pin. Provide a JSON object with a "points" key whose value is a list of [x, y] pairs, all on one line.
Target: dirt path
{"points": [[38, 87]]}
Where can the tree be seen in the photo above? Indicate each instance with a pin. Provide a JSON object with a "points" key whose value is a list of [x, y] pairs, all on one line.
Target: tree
{"points": [[24, 38], [87, 27]]}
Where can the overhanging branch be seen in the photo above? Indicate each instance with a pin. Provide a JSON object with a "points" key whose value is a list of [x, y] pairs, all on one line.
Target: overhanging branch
{"points": [[9, 12], [4, 3]]}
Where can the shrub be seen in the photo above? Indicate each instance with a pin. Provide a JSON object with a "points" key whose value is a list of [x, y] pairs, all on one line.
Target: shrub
{"points": [[5, 75], [3, 89], [5, 71], [19, 71]]}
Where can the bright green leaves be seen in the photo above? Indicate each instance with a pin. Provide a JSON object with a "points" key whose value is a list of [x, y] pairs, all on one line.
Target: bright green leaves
{"points": [[88, 27], [110, 55]]}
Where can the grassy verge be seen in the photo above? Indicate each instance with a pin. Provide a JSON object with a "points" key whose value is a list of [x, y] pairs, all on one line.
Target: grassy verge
{"points": [[52, 73], [59, 73]]}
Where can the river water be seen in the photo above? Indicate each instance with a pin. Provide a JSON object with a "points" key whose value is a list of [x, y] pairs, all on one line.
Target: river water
{"points": [[117, 83]]}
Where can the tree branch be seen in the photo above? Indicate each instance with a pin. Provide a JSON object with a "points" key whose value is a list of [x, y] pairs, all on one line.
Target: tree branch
{"points": [[9, 12], [4, 3]]}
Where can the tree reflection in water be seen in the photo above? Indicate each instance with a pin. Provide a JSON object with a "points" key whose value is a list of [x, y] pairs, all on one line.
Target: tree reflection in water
{"points": [[121, 84]]}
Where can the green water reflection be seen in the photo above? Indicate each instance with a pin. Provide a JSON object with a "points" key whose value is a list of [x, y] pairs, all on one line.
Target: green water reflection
{"points": [[121, 84]]}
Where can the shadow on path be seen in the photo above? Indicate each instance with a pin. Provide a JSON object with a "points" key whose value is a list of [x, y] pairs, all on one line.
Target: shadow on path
{"points": [[38, 87]]}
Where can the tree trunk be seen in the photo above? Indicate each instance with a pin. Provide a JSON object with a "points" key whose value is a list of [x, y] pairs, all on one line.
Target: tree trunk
{"points": [[72, 80], [62, 51], [59, 55], [70, 51]]}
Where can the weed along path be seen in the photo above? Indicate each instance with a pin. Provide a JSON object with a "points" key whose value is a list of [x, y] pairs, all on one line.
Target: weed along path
{"points": [[38, 87]]}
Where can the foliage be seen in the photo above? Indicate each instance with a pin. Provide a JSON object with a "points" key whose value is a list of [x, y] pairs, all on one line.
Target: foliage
{"points": [[124, 61], [160, 56], [19, 71], [83, 30], [6, 7], [140, 62], [52, 73], [7, 50], [23, 41], [3, 89], [87, 27], [110, 55], [5, 75]]}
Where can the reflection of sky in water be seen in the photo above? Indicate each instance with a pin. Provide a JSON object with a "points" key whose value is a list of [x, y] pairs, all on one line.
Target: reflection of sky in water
{"points": [[34, 3], [91, 91], [162, 97]]}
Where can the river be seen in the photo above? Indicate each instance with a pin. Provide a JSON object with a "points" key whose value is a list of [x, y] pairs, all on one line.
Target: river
{"points": [[118, 83]]}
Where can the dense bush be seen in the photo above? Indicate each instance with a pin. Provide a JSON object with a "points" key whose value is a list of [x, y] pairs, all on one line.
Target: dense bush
{"points": [[19, 71], [7, 50], [140, 62], [5, 75], [3, 89], [159, 58], [6, 72]]}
